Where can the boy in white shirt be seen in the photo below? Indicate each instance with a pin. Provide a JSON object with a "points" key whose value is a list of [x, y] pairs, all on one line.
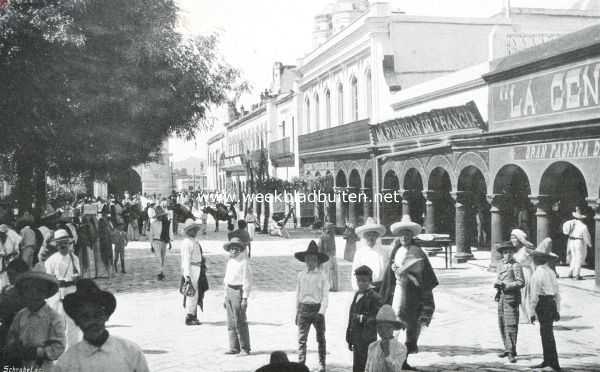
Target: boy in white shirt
{"points": [[386, 354]]}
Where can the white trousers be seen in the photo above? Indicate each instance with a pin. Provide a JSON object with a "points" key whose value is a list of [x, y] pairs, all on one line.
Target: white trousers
{"points": [[578, 252], [191, 305]]}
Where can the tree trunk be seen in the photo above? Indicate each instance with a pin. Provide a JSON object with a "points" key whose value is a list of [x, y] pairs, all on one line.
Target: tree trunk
{"points": [[267, 216], [24, 183], [39, 184]]}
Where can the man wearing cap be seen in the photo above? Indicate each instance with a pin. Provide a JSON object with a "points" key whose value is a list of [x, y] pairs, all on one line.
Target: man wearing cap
{"points": [[508, 285], [64, 266], [238, 283], [99, 351], [371, 252], [578, 243], [545, 304], [37, 334], [192, 268]]}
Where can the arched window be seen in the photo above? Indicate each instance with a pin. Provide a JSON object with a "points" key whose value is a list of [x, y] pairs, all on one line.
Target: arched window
{"points": [[328, 108], [340, 104], [354, 98], [369, 94], [317, 112], [307, 114]]}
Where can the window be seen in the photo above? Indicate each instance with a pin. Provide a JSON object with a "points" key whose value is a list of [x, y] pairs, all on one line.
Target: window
{"points": [[307, 115], [354, 98], [317, 112], [292, 136], [328, 108], [340, 104], [369, 95], [283, 129]]}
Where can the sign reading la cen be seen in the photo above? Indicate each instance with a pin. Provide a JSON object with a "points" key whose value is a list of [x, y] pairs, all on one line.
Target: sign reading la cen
{"points": [[568, 89]]}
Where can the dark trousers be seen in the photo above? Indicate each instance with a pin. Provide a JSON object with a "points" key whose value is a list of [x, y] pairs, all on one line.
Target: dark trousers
{"points": [[360, 352], [119, 254], [546, 313], [237, 325], [508, 321], [308, 314]]}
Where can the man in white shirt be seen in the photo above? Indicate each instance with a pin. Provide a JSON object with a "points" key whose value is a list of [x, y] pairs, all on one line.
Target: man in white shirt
{"points": [[9, 249], [64, 266], [545, 301], [238, 283], [371, 252], [578, 243]]}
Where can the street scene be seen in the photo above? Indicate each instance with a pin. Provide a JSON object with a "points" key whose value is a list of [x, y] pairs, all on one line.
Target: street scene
{"points": [[344, 185]]}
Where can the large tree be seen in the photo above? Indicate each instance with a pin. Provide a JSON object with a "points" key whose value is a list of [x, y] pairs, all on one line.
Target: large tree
{"points": [[96, 86]]}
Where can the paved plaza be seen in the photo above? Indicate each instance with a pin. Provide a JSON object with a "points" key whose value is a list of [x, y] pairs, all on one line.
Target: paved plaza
{"points": [[463, 335]]}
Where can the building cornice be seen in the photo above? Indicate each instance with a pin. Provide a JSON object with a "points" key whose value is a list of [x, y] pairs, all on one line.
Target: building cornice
{"points": [[215, 138], [454, 89], [236, 123]]}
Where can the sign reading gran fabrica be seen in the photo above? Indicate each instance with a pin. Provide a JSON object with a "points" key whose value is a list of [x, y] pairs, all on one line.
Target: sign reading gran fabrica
{"points": [[560, 95], [427, 123]]}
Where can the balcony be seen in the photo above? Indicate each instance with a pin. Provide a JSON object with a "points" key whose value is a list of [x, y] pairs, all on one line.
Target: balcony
{"points": [[281, 153], [233, 164], [346, 136]]}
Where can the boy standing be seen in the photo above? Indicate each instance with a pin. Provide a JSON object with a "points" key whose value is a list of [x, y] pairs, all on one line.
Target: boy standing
{"points": [[238, 282], [99, 351], [37, 334], [387, 354], [362, 331], [312, 293], [119, 237], [508, 286]]}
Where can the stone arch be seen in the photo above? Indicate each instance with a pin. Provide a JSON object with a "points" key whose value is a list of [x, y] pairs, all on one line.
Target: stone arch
{"points": [[416, 164], [512, 183], [340, 179], [472, 159], [443, 162]]}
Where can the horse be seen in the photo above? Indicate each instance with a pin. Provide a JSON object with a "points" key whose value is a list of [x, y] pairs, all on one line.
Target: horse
{"points": [[181, 213], [219, 214]]}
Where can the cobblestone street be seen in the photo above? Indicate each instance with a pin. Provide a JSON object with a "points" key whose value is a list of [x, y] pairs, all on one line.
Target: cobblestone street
{"points": [[463, 335]]}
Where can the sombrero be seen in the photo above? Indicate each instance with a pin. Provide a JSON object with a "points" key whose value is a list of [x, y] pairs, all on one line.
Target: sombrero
{"points": [[314, 250], [88, 292], [577, 214], [42, 279], [544, 251], [386, 315], [406, 224], [369, 226], [191, 224], [503, 246], [235, 242], [60, 235], [284, 367]]}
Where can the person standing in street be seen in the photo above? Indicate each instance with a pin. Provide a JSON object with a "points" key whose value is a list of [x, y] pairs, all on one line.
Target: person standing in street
{"points": [[387, 354], [241, 233], [105, 241], [193, 271], [508, 295], [518, 238], [327, 246], [160, 233], [238, 283], [371, 252], [579, 242], [545, 302]]}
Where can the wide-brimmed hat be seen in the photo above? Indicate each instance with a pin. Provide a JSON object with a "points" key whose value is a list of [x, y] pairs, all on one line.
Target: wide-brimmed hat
{"points": [[60, 235], [406, 224], [49, 212], [191, 224], [88, 292], [369, 226], [40, 279], [521, 237], [4, 228], [314, 250], [578, 214], [159, 212], [235, 242], [283, 367], [507, 245], [25, 219], [386, 315], [544, 251]]}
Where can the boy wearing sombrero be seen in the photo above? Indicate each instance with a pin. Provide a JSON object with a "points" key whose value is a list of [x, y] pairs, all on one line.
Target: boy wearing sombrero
{"points": [[508, 285], [371, 252], [37, 334], [192, 269], [312, 292], [386, 354], [579, 242], [545, 304], [238, 283], [99, 351]]}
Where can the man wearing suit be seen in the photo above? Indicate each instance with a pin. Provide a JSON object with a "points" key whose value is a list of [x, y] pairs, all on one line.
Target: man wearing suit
{"points": [[362, 329], [508, 286]]}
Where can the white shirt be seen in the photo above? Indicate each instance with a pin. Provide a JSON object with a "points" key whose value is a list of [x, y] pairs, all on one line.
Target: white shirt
{"points": [[190, 252], [62, 267], [238, 273], [400, 256], [375, 258], [543, 283], [313, 288], [577, 229], [115, 355], [11, 245], [377, 362]]}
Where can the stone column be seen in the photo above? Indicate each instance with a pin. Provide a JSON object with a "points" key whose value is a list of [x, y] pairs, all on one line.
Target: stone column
{"points": [[405, 202], [497, 207], [595, 205], [429, 212], [462, 254], [340, 219], [366, 203], [542, 203], [352, 205]]}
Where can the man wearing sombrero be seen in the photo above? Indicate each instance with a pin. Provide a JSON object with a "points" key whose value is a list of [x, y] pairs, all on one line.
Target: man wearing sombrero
{"points": [[579, 242], [99, 351], [371, 252]]}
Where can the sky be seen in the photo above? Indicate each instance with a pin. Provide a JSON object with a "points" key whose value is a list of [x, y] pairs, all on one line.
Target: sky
{"points": [[255, 34]]}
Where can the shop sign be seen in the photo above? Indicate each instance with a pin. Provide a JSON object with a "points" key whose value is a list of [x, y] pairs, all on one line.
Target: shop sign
{"points": [[558, 150], [90, 209], [568, 89], [432, 122]]}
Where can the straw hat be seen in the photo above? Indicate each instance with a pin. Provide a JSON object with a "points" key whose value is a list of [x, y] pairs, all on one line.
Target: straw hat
{"points": [[544, 251], [235, 242], [386, 315], [369, 226], [577, 214], [40, 279], [507, 245], [191, 224], [406, 224], [88, 292], [61, 235], [314, 250]]}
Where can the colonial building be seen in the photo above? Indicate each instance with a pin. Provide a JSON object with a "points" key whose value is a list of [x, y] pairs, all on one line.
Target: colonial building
{"points": [[216, 159]]}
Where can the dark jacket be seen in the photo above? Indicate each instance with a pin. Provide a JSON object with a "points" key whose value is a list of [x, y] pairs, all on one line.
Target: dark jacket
{"points": [[511, 275], [365, 331]]}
